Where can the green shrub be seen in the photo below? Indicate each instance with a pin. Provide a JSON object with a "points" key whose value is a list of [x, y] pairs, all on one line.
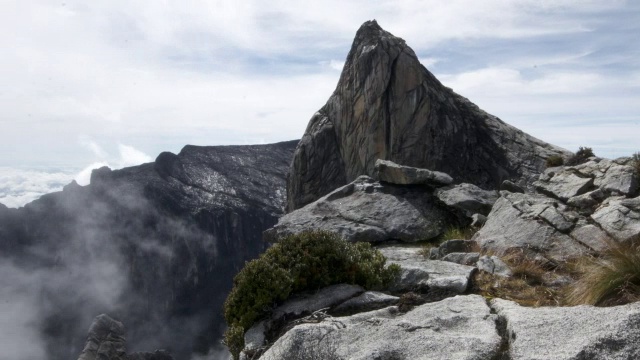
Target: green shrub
{"points": [[306, 261], [555, 160], [611, 279], [635, 162], [581, 156]]}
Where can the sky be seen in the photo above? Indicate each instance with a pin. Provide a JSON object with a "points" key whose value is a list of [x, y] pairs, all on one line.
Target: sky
{"points": [[113, 82]]}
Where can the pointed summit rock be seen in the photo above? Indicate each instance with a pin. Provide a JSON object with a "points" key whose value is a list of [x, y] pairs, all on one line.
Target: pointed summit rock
{"points": [[388, 106]]}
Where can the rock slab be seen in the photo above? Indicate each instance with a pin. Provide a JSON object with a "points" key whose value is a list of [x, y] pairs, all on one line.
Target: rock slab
{"points": [[460, 327]]}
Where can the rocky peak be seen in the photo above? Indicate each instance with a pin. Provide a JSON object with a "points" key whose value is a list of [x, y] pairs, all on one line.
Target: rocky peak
{"points": [[388, 106]]}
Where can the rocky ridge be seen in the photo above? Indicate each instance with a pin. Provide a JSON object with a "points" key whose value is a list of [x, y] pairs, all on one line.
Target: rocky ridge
{"points": [[388, 106], [546, 226]]}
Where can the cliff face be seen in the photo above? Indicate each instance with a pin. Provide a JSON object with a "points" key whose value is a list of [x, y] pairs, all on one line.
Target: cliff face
{"points": [[388, 106], [156, 245]]}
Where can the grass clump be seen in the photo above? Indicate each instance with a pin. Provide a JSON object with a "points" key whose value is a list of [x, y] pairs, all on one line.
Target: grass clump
{"points": [[580, 157], [296, 263], [613, 278], [529, 284], [554, 160]]}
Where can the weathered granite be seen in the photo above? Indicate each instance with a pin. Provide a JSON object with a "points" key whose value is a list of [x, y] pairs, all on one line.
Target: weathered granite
{"points": [[460, 327], [390, 172], [468, 198]]}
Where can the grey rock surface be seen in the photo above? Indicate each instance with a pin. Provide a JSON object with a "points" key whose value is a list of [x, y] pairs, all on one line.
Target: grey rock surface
{"points": [[367, 301], [420, 274], [563, 184], [510, 186], [478, 220], [386, 105], [620, 218], [527, 222], [468, 198], [493, 265], [393, 173], [460, 327], [366, 210], [571, 333]]}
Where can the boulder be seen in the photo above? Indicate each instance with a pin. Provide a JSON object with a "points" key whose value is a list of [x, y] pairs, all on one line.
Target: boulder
{"points": [[460, 327], [587, 202], [581, 332], [493, 265], [420, 274], [510, 186], [529, 222], [386, 105], [478, 220], [564, 184], [390, 172], [366, 210], [468, 198], [620, 218]]}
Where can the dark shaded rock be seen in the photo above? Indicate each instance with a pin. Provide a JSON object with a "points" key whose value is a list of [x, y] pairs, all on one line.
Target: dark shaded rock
{"points": [[367, 301], [468, 198], [105, 341], [462, 258], [455, 246], [158, 244], [366, 210], [388, 106], [511, 187], [393, 173]]}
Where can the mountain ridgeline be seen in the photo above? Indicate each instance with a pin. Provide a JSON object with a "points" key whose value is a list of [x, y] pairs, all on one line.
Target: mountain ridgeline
{"points": [[155, 245]]}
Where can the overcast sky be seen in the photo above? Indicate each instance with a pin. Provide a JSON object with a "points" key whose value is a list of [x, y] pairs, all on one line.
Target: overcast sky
{"points": [[116, 82]]}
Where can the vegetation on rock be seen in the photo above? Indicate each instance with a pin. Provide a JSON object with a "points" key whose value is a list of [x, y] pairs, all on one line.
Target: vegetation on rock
{"points": [[554, 160], [580, 157], [306, 261], [635, 162], [613, 278]]}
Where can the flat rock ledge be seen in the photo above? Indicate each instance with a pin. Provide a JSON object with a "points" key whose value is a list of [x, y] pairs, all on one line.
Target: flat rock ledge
{"points": [[570, 333], [460, 327]]}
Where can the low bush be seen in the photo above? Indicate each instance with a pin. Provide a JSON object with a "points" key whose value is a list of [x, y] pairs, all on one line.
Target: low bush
{"points": [[635, 162], [306, 261], [580, 157], [555, 160], [613, 278]]}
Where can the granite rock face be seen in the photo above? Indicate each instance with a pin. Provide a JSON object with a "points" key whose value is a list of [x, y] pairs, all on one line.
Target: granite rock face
{"points": [[578, 210], [393, 173], [460, 327], [563, 333], [158, 244], [367, 210], [388, 106]]}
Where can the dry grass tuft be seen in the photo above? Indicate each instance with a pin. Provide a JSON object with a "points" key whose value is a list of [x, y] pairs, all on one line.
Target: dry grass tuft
{"points": [[613, 278], [530, 285]]}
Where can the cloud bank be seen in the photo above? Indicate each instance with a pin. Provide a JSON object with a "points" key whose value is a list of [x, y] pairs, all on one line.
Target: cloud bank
{"points": [[159, 75]]}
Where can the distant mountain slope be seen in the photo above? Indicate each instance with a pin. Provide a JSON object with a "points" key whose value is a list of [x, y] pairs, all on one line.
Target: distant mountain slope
{"points": [[388, 106], [154, 245]]}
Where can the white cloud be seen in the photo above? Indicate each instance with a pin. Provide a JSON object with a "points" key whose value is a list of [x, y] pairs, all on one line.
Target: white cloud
{"points": [[20, 186]]}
